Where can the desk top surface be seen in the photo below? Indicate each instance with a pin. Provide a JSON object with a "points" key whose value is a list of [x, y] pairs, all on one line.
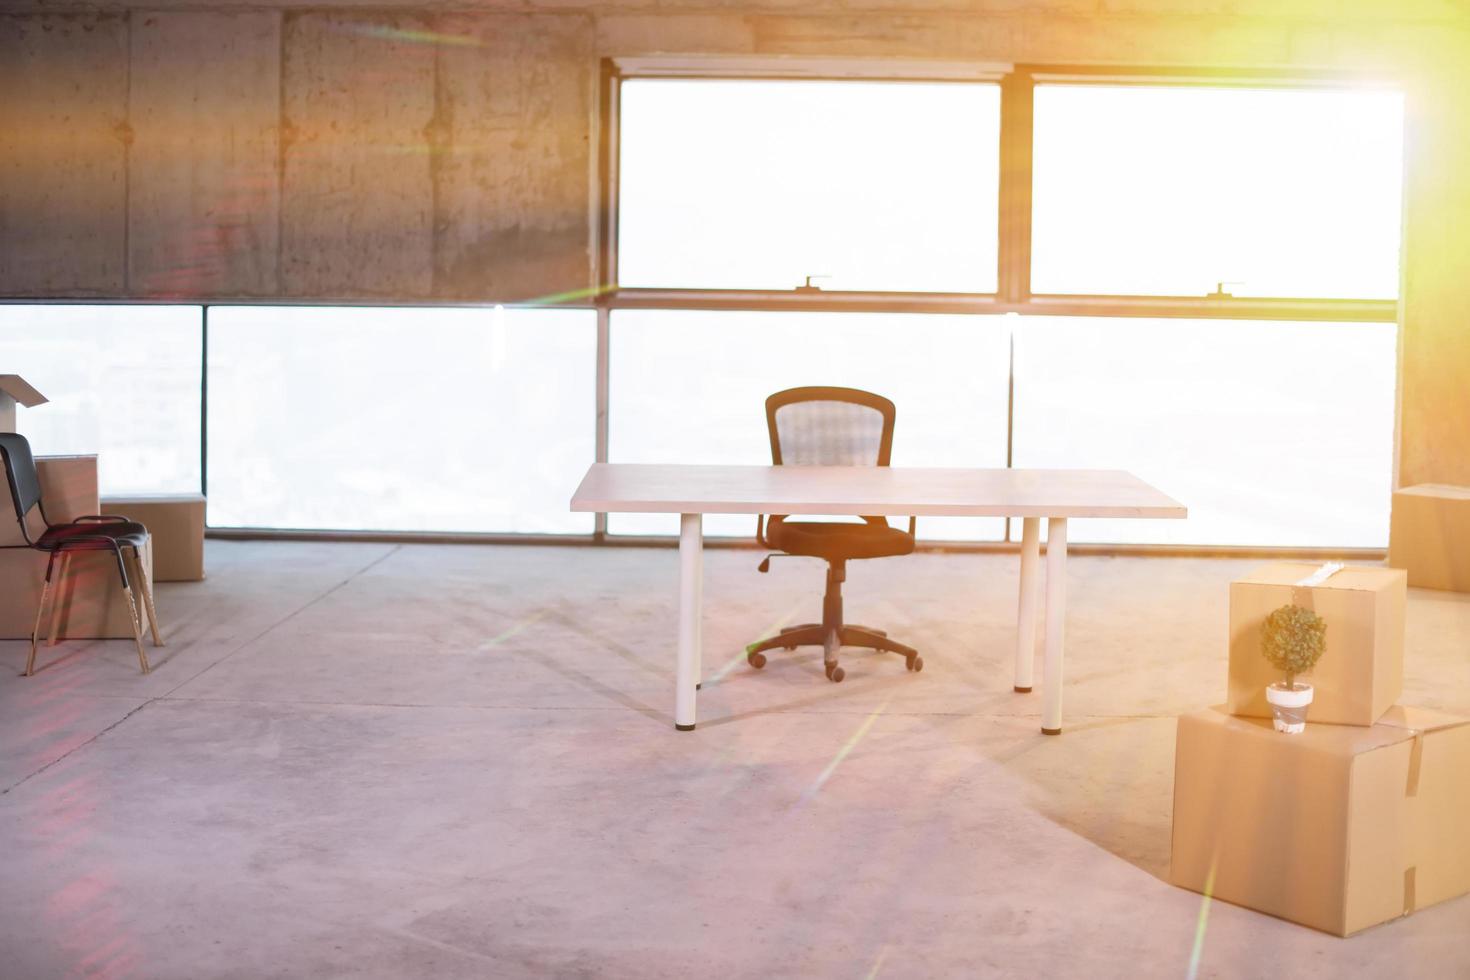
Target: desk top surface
{"points": [[880, 491]]}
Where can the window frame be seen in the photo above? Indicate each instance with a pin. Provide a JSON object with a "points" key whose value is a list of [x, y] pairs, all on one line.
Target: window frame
{"points": [[738, 68], [1013, 256]]}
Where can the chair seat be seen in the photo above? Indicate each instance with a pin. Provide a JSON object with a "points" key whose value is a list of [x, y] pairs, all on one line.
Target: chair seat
{"points": [[837, 542], [92, 536]]}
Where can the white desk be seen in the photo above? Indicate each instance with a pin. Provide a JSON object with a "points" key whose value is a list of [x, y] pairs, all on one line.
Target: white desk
{"points": [[880, 491]]}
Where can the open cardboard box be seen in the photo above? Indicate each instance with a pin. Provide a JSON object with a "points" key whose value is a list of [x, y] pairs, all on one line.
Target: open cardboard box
{"points": [[1338, 828]]}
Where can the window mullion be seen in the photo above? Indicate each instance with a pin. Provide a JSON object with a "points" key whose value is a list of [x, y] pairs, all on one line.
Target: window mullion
{"points": [[1014, 253]]}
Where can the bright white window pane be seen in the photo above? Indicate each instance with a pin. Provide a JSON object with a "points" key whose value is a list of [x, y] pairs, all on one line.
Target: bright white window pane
{"points": [[1168, 191], [1276, 434], [400, 419], [758, 184], [691, 387], [123, 382]]}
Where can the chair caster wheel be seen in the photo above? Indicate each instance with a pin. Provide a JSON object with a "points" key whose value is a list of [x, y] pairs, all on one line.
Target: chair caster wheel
{"points": [[835, 673], [756, 660], [788, 648], [914, 663]]}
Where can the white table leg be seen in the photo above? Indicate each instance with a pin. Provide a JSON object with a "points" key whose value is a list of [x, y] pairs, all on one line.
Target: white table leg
{"points": [[699, 618], [1026, 618], [1056, 624], [691, 577]]}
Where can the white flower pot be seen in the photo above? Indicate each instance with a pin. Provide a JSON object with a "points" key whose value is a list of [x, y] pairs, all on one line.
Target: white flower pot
{"points": [[1289, 705]]}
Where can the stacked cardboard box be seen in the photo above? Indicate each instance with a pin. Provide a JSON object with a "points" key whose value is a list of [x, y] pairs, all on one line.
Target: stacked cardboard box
{"points": [[1362, 673], [175, 524], [1351, 823], [1429, 536]]}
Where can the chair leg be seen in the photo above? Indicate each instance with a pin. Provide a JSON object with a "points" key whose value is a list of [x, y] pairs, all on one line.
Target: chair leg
{"points": [[133, 614], [859, 636], [803, 637], [137, 630], [53, 632], [832, 621], [36, 629], [800, 626], [137, 606], [145, 583], [831, 647]]}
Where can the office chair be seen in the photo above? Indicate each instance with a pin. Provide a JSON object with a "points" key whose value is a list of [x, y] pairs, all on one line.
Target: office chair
{"points": [[832, 427], [124, 538]]}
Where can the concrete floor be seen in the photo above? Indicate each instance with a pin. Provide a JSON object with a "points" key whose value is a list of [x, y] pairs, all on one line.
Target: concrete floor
{"points": [[411, 761]]}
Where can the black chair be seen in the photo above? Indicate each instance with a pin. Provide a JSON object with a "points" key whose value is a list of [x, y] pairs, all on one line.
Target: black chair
{"points": [[124, 538], [831, 427]]}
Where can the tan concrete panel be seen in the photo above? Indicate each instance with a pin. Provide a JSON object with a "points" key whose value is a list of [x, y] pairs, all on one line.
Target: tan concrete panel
{"points": [[889, 35], [203, 206], [1332, 11], [357, 197], [638, 34], [1434, 380], [63, 132], [1060, 37], [514, 158], [1223, 41]]}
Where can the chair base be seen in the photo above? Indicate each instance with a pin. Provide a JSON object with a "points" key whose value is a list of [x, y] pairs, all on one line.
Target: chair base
{"points": [[832, 634]]}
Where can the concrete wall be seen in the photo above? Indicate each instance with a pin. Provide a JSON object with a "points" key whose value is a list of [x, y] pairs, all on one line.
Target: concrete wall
{"points": [[64, 139], [345, 151], [1434, 312]]}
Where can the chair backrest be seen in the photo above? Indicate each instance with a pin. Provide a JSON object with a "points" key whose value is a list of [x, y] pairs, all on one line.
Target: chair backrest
{"points": [[821, 426], [20, 474]]}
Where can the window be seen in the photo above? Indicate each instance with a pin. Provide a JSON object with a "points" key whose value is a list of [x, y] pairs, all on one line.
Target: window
{"points": [[1155, 190], [1262, 410], [878, 186], [1158, 194], [691, 387], [123, 382], [400, 419], [1274, 434]]}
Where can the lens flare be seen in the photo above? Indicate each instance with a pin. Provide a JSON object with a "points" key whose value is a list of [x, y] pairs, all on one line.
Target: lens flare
{"points": [[1199, 928], [842, 753]]}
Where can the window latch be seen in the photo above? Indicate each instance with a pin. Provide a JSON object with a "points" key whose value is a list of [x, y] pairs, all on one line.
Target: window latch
{"points": [[1221, 292], [808, 287]]}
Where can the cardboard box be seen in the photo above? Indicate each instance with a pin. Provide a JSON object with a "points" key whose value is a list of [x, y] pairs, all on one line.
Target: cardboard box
{"points": [[1338, 828], [1360, 675], [92, 604], [175, 522], [88, 605], [1429, 536]]}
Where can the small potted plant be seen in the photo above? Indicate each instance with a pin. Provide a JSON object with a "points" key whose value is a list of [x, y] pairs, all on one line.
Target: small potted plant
{"points": [[1293, 640]]}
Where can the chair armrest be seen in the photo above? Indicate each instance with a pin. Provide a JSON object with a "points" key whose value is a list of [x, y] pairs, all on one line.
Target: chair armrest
{"points": [[760, 531], [101, 519]]}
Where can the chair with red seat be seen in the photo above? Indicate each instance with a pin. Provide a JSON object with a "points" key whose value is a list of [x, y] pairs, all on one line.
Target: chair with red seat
{"points": [[124, 538], [832, 427]]}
